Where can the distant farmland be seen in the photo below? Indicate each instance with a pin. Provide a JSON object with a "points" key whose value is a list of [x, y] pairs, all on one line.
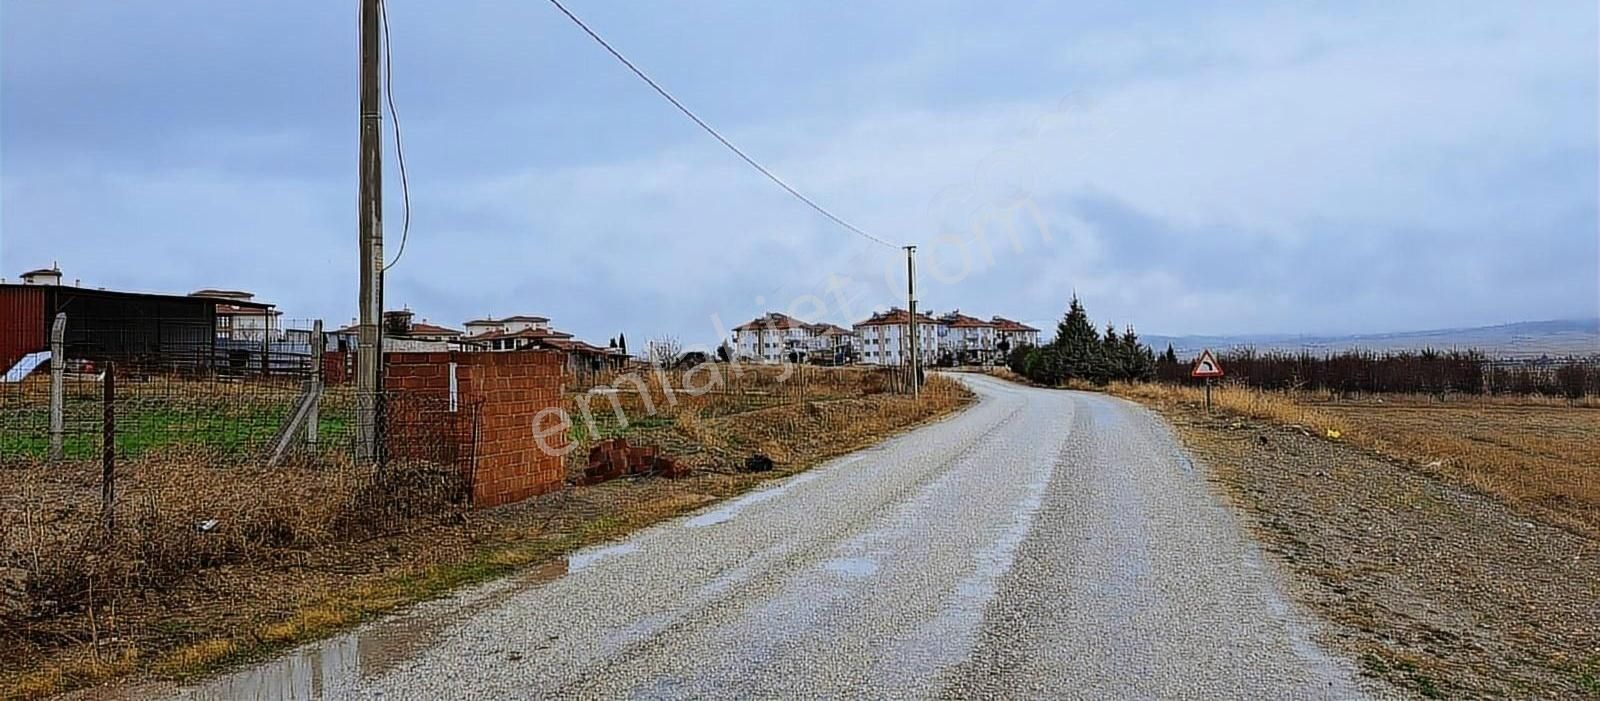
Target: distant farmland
{"points": [[1532, 339]]}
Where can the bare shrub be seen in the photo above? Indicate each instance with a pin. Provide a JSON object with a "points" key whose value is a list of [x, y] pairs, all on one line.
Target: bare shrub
{"points": [[177, 515]]}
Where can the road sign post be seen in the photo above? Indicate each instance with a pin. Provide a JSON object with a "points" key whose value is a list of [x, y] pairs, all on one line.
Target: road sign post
{"points": [[1207, 367]]}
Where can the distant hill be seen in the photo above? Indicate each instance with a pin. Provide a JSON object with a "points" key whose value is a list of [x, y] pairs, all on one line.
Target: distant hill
{"points": [[1528, 339]]}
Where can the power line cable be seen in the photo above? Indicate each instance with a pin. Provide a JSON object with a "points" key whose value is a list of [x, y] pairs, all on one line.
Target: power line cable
{"points": [[712, 131], [399, 150]]}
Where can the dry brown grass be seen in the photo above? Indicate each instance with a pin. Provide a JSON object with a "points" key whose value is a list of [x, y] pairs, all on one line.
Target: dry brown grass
{"points": [[1540, 456], [758, 409], [90, 589]]}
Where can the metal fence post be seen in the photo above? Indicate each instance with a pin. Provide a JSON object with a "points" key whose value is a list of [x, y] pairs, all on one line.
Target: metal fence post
{"points": [[108, 451], [58, 370]]}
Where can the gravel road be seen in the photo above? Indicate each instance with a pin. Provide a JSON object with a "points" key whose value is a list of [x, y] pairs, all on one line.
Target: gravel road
{"points": [[1039, 544]]}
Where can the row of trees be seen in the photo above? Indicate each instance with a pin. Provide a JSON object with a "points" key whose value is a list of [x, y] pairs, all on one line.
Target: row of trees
{"points": [[1411, 372], [1080, 352]]}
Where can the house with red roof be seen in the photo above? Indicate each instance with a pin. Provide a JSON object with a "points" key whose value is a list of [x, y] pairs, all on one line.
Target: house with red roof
{"points": [[241, 318], [773, 337], [1014, 333], [886, 337], [965, 340]]}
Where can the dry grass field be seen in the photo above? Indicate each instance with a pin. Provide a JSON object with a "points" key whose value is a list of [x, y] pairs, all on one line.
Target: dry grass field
{"points": [[1539, 455], [301, 551]]}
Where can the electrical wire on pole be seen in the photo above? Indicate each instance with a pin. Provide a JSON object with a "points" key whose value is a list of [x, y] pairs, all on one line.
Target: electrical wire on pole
{"points": [[713, 132], [399, 148]]}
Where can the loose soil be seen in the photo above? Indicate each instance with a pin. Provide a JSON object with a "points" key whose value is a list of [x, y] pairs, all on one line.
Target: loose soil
{"points": [[1431, 584]]}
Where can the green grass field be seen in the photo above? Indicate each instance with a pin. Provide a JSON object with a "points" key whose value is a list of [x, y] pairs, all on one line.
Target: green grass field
{"points": [[236, 429]]}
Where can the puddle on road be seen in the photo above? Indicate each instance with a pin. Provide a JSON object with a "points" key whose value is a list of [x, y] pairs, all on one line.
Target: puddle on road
{"points": [[852, 566], [329, 668], [586, 558], [727, 511]]}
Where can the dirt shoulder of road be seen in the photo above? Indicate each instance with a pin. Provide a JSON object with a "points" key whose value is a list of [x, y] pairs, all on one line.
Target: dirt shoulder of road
{"points": [[244, 611], [1428, 582]]}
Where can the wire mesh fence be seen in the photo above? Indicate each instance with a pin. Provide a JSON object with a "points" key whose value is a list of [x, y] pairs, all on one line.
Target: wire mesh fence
{"points": [[133, 454], [157, 392], [224, 399]]}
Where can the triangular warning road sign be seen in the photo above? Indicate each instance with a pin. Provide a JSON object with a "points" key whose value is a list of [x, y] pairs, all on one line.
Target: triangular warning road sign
{"points": [[1206, 366]]}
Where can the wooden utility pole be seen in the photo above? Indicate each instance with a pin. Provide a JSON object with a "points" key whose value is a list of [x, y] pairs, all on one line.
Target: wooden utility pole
{"points": [[369, 341], [911, 322], [313, 416]]}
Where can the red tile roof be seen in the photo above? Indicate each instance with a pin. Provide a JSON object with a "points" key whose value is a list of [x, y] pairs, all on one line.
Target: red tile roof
{"points": [[497, 334], [895, 316], [418, 328], [825, 329], [772, 321], [573, 346], [958, 320], [1004, 324], [423, 328]]}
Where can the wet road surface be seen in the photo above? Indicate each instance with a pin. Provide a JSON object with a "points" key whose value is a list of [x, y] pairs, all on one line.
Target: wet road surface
{"points": [[1040, 544]]}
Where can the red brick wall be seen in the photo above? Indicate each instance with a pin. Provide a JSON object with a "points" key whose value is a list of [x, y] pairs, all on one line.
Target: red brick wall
{"points": [[335, 367], [508, 389]]}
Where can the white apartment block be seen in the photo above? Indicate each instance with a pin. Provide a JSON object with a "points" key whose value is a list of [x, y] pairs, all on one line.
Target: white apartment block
{"points": [[886, 338], [1015, 333], [834, 342], [882, 339], [772, 337], [242, 322], [510, 324], [967, 340], [510, 333]]}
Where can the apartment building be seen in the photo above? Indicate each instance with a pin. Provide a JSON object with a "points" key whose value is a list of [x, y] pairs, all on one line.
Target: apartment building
{"points": [[510, 333], [886, 337], [772, 337], [1014, 333], [966, 340]]}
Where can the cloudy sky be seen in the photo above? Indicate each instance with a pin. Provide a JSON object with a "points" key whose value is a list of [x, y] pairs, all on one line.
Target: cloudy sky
{"points": [[1235, 168]]}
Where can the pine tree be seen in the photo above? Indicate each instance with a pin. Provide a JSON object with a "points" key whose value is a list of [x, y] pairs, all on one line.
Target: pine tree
{"points": [[1112, 363], [1017, 359], [1139, 360], [1171, 357], [1077, 344], [622, 343]]}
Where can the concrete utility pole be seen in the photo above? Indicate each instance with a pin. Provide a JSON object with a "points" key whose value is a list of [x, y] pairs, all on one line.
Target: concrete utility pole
{"points": [[911, 322], [58, 369], [369, 342]]}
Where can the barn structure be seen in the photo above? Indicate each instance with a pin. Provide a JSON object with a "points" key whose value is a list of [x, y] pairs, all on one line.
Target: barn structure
{"points": [[173, 331]]}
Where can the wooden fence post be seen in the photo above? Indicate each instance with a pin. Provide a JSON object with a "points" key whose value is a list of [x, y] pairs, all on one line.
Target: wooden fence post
{"points": [[58, 369], [108, 451], [318, 344]]}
